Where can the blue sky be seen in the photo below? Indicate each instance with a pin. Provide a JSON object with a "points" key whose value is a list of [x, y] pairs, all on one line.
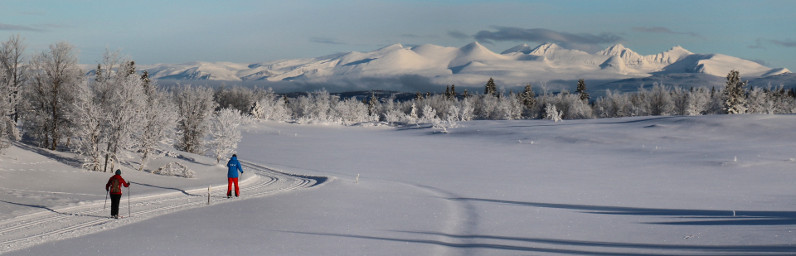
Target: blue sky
{"points": [[178, 31]]}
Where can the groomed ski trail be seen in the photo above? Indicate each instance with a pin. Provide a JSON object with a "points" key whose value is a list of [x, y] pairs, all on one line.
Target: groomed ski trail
{"points": [[59, 223]]}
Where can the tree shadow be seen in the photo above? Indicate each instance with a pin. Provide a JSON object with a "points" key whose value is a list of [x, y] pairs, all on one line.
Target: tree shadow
{"points": [[49, 154], [167, 188], [687, 216], [545, 245], [53, 210]]}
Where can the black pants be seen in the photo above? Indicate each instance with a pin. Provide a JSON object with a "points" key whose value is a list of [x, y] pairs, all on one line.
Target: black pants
{"points": [[115, 204]]}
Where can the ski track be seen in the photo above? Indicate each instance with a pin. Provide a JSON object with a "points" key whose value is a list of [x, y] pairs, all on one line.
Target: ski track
{"points": [[59, 223]]}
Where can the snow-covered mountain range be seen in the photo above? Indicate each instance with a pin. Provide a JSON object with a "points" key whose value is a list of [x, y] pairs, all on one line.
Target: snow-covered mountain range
{"points": [[470, 65]]}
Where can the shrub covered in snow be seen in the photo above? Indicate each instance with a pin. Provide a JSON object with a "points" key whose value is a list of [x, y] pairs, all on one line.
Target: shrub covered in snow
{"points": [[175, 169]]}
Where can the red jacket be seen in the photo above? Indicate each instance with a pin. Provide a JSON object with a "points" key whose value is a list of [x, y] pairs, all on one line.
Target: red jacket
{"points": [[115, 185]]}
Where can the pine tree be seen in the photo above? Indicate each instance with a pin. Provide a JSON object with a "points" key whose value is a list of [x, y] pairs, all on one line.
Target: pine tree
{"points": [[453, 91], [528, 97], [735, 94], [584, 96], [490, 88]]}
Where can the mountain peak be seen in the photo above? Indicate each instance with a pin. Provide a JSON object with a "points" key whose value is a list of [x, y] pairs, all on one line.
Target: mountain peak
{"points": [[391, 47], [621, 51], [523, 48], [545, 49]]}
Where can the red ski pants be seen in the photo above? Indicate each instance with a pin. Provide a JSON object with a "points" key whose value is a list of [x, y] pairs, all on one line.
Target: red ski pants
{"points": [[230, 181]]}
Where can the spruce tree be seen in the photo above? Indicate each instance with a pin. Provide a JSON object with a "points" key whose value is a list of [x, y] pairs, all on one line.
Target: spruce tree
{"points": [[490, 88], [528, 97], [735, 94], [584, 96], [453, 91]]}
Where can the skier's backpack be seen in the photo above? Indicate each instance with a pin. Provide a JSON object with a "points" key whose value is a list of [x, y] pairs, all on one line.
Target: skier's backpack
{"points": [[116, 186]]}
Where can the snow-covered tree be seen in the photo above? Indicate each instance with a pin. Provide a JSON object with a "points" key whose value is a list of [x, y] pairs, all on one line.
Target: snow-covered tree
{"points": [[5, 118], [54, 79], [125, 115], [195, 106], [735, 94], [225, 134], [270, 107], [90, 121], [351, 111], [238, 97], [659, 100], [14, 75], [467, 109], [761, 101], [551, 113], [159, 120], [697, 102]]}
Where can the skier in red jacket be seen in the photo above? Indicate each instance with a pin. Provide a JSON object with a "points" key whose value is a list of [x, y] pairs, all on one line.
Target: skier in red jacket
{"points": [[114, 187]]}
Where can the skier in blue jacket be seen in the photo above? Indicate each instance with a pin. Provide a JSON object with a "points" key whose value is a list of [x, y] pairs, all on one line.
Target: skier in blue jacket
{"points": [[232, 175]]}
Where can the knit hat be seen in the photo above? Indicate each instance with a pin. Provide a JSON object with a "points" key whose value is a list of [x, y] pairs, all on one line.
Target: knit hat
{"points": [[118, 172]]}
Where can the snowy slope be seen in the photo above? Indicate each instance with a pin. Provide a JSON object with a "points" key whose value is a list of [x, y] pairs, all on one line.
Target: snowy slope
{"points": [[705, 185], [470, 65]]}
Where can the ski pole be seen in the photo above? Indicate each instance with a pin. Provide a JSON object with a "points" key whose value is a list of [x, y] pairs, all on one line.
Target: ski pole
{"points": [[128, 201], [106, 200]]}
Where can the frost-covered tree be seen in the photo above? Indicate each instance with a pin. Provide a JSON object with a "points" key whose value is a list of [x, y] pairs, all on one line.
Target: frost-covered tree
{"points": [[113, 108], [6, 122], [159, 120], [195, 106], [551, 113], [270, 107], [238, 97], [761, 101], [125, 114], [90, 121], [351, 111], [659, 100], [735, 94], [225, 134], [14, 75], [54, 79]]}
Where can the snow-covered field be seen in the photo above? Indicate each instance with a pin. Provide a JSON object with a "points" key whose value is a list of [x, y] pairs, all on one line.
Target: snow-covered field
{"points": [[707, 185]]}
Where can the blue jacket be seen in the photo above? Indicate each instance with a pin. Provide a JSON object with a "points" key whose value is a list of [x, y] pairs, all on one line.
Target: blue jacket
{"points": [[234, 167]]}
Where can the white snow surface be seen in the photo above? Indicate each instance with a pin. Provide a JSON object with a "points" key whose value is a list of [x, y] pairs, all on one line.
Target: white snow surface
{"points": [[705, 185], [469, 65]]}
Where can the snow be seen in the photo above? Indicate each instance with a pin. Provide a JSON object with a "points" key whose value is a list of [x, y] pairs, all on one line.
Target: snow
{"points": [[705, 185], [469, 65]]}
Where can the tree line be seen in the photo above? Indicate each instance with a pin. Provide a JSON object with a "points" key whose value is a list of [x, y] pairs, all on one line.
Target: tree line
{"points": [[111, 116], [117, 114]]}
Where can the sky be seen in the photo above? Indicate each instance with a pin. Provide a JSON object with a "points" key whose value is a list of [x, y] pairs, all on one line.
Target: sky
{"points": [[253, 31]]}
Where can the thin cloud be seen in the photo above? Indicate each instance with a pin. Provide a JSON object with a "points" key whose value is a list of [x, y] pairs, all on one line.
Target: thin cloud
{"points": [[544, 35], [458, 34], [324, 40], [758, 44], [583, 41], [663, 30], [11, 27], [785, 43]]}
